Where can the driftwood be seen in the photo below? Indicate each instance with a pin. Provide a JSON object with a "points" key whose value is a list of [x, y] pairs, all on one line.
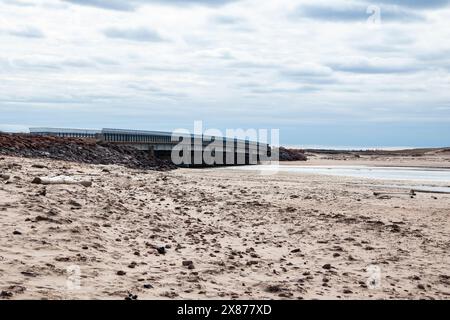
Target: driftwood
{"points": [[414, 191], [61, 180], [387, 193]]}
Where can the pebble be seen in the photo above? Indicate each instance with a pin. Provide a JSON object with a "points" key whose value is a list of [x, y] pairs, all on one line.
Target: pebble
{"points": [[187, 263], [274, 289], [39, 166], [75, 204], [6, 294], [347, 291], [161, 250], [131, 297], [17, 289]]}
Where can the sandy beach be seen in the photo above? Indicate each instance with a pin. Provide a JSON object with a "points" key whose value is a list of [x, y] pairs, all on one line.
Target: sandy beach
{"points": [[218, 234]]}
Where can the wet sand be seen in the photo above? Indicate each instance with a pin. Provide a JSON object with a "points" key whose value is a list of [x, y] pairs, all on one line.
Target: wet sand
{"points": [[217, 234]]}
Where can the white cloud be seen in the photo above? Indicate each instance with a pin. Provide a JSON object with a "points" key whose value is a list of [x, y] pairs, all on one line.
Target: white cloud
{"points": [[256, 61]]}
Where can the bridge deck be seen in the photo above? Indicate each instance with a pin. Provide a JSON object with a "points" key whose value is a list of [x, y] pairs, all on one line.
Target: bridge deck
{"points": [[162, 143]]}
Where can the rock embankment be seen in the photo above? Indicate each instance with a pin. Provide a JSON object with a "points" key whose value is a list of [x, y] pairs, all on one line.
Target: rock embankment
{"points": [[292, 155], [78, 150]]}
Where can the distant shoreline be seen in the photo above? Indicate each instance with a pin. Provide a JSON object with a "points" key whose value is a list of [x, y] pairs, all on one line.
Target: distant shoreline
{"points": [[360, 148], [375, 151]]}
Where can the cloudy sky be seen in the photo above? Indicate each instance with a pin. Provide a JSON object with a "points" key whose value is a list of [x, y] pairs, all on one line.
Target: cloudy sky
{"points": [[342, 73]]}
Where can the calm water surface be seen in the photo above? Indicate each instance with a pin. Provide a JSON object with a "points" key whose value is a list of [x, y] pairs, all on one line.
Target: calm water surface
{"points": [[428, 175]]}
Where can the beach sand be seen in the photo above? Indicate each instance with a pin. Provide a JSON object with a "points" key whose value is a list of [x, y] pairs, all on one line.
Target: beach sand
{"points": [[217, 234]]}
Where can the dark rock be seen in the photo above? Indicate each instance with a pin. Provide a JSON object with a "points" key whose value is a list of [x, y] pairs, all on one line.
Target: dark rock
{"points": [[42, 192], [274, 289], [286, 294], [327, 266], [121, 273], [17, 233], [148, 286], [6, 294], [75, 204], [39, 166], [161, 250], [347, 291], [29, 274], [187, 263], [131, 296], [17, 289]]}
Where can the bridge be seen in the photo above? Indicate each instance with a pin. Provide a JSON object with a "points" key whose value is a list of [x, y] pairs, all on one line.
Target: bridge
{"points": [[195, 150]]}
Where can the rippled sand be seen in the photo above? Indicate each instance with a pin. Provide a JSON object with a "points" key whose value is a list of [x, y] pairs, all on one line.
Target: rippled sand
{"points": [[206, 234]]}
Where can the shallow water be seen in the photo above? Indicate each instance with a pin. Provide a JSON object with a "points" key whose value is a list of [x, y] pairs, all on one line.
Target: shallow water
{"points": [[382, 173]]}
